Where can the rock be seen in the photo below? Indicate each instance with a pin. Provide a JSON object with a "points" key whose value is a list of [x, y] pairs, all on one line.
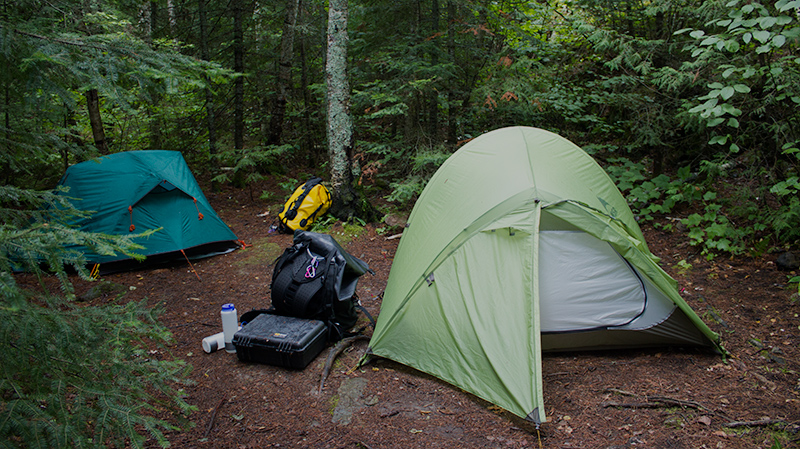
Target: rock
{"points": [[396, 221], [787, 261], [349, 394]]}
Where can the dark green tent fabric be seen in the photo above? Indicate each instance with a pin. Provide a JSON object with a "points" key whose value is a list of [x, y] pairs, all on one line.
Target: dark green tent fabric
{"points": [[136, 191]]}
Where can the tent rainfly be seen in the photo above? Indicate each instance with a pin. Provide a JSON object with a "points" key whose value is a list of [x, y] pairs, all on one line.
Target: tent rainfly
{"points": [[521, 243], [136, 191]]}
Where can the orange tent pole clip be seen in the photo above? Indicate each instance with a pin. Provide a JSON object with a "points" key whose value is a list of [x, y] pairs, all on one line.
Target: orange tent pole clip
{"points": [[199, 214], [130, 212]]}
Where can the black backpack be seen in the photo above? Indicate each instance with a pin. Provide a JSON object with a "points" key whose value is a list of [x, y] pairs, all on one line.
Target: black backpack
{"points": [[316, 279]]}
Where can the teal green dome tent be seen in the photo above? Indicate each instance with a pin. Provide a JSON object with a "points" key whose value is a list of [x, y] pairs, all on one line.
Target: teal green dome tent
{"points": [[136, 191], [521, 243]]}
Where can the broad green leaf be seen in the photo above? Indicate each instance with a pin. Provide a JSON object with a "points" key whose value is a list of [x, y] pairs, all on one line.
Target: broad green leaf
{"points": [[742, 88], [698, 108], [727, 92], [697, 34], [718, 140], [728, 73], [762, 36], [778, 40], [747, 37], [787, 5], [714, 122], [731, 46], [734, 148], [767, 22], [733, 123], [731, 109], [763, 49]]}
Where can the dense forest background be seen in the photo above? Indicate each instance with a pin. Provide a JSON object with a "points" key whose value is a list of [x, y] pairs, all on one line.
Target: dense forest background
{"points": [[687, 104]]}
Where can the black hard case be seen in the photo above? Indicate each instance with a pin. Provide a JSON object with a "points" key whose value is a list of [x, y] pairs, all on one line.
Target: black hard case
{"points": [[280, 341]]}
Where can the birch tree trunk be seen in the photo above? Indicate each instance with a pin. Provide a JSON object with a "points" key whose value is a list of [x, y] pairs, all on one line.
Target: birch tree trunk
{"points": [[346, 202]]}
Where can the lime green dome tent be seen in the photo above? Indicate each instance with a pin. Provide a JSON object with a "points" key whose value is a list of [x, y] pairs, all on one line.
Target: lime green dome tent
{"points": [[136, 191], [521, 243]]}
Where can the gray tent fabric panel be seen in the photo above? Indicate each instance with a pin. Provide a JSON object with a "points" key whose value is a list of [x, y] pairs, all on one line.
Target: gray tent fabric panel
{"points": [[676, 330], [658, 308], [585, 284]]}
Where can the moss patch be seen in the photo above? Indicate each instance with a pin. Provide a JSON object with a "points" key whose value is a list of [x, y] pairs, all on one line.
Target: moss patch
{"points": [[263, 252], [345, 233]]}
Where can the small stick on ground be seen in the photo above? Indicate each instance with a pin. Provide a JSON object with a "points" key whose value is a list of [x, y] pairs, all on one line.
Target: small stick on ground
{"points": [[656, 402], [757, 423], [338, 349], [213, 417], [618, 391]]}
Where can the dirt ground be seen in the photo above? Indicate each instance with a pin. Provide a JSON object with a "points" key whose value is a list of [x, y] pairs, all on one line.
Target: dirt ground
{"points": [[668, 398]]}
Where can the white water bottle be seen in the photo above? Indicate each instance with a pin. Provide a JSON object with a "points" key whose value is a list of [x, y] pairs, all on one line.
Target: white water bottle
{"points": [[229, 325], [214, 342]]}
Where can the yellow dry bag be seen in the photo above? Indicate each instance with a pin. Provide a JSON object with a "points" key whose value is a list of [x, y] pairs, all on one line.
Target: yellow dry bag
{"points": [[308, 202]]}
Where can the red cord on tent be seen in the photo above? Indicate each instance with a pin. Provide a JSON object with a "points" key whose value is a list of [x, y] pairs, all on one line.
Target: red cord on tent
{"points": [[199, 214], [244, 245], [191, 266], [130, 212]]}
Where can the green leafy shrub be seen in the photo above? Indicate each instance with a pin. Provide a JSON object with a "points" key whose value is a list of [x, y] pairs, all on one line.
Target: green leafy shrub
{"points": [[714, 232], [650, 197], [424, 165]]}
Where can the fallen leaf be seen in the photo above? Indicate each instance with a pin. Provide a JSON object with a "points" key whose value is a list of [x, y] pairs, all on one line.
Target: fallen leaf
{"points": [[704, 420]]}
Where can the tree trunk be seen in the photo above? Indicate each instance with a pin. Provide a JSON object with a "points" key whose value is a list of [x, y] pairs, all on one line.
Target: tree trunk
{"points": [[284, 73], [98, 133], [433, 95], [173, 19], [346, 201], [238, 67], [209, 93], [452, 97], [308, 141]]}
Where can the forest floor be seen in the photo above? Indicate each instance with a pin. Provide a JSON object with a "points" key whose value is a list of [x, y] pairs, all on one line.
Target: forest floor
{"points": [[667, 398]]}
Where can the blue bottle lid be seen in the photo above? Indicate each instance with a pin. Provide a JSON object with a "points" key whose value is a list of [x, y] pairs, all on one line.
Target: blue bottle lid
{"points": [[228, 307]]}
